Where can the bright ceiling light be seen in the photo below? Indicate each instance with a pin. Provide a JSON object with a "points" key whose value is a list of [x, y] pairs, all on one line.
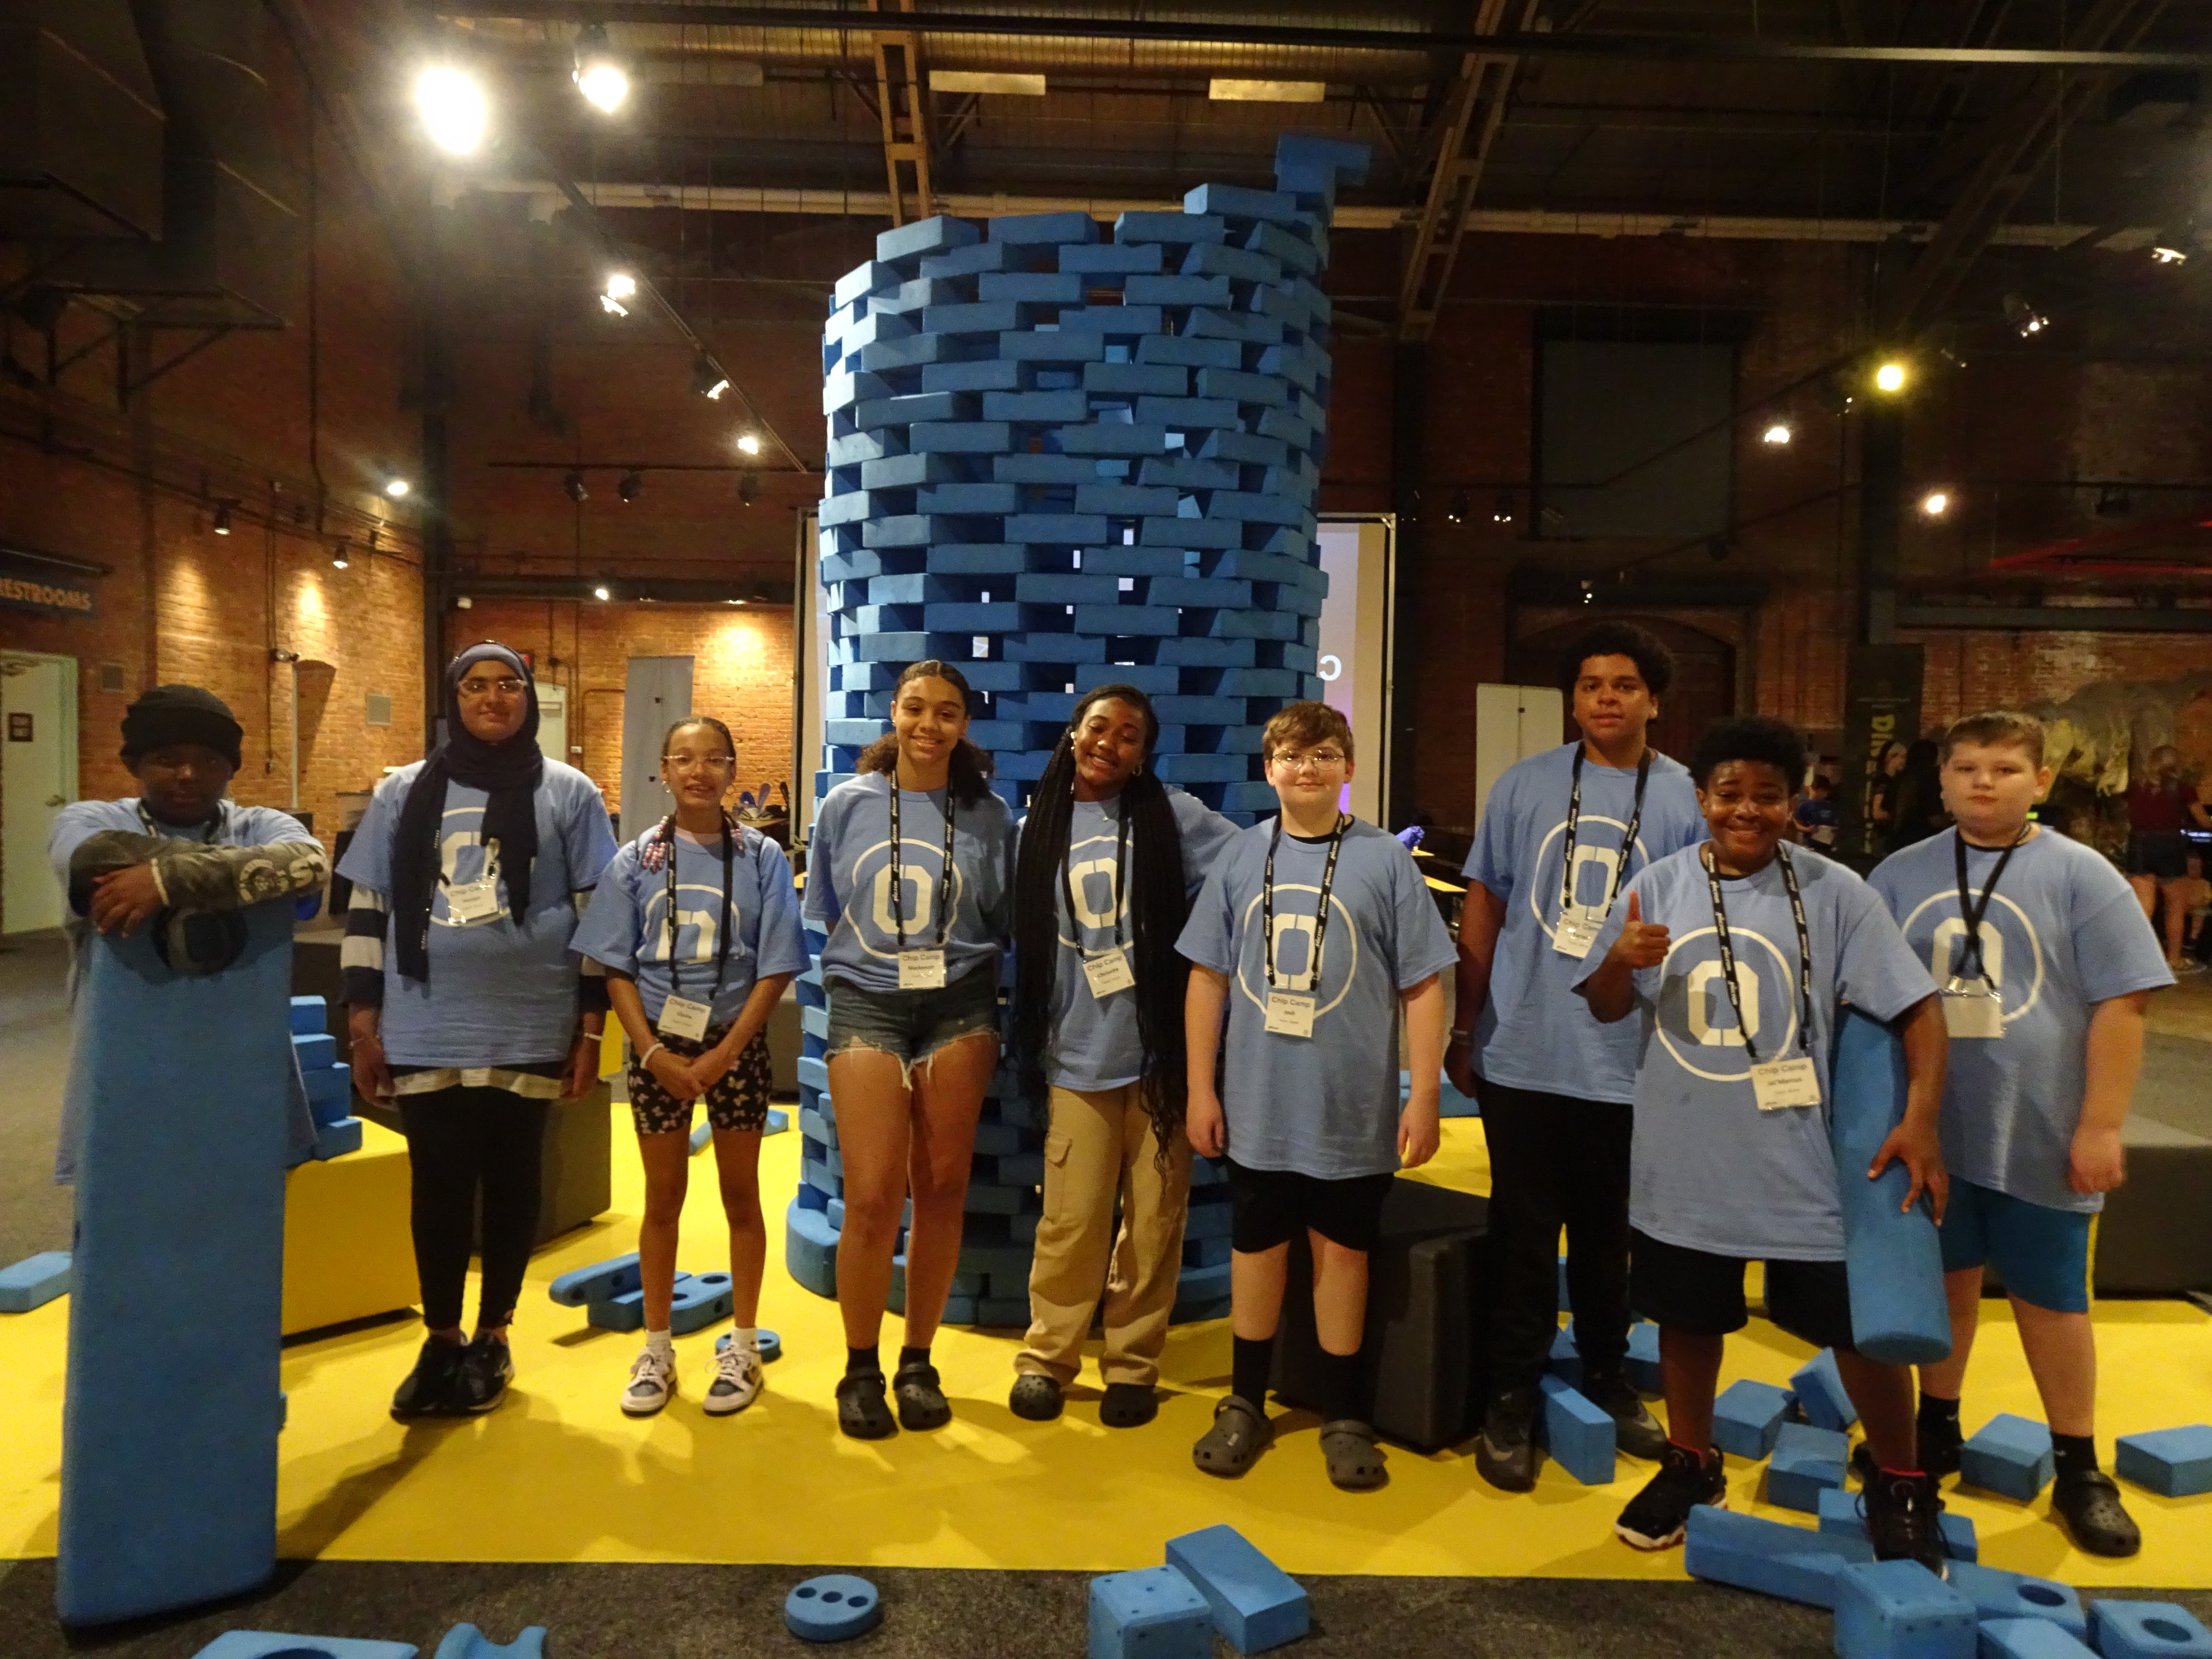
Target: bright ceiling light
{"points": [[600, 592], [1935, 503], [1778, 435], [964, 81], [396, 486], [748, 444], [453, 108], [2026, 319], [599, 74], [1889, 377], [2170, 253], [1267, 92], [708, 378], [621, 286]]}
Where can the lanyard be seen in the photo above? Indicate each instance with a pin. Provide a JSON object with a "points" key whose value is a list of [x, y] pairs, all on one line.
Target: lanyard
{"points": [[1627, 840], [1972, 913], [167, 832], [898, 884], [1068, 883], [1321, 907], [722, 935], [1728, 953]]}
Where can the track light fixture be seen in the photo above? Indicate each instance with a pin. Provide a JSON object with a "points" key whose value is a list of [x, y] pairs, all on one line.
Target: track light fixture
{"points": [[1935, 503], [1501, 510], [1456, 510], [1890, 375], [632, 484], [599, 74], [396, 487], [621, 288], [572, 486], [222, 525], [707, 377], [1777, 435], [2027, 321], [454, 111], [745, 490], [338, 554], [748, 444], [601, 592]]}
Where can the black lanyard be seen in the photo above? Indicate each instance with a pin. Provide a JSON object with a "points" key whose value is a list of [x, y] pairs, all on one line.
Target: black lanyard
{"points": [[1972, 913], [722, 937], [898, 883], [1321, 907], [1728, 954], [1068, 883], [1627, 840]]}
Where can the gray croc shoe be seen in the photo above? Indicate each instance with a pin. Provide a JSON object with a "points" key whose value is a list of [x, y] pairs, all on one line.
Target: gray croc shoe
{"points": [[1355, 1461], [1240, 1433], [920, 1396]]}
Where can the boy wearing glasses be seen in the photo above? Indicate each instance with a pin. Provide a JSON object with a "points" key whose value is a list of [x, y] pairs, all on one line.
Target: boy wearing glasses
{"points": [[1311, 933]]}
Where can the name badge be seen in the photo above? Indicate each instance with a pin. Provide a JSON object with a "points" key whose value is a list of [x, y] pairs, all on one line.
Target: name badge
{"points": [[922, 970], [472, 900], [1973, 1010], [1109, 972], [1290, 1013], [1780, 1084], [1576, 933], [683, 1017]]}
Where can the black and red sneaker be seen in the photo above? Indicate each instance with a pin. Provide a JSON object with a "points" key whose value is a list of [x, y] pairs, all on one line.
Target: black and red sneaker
{"points": [[1902, 1520], [1657, 1516]]}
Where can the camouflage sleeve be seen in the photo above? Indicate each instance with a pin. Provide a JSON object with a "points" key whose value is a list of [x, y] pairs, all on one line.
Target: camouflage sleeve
{"points": [[192, 877]]}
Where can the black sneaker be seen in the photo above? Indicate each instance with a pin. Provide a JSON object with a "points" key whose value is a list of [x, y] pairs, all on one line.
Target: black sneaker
{"points": [[2088, 1507], [1506, 1451], [1902, 1515], [1939, 1447], [487, 1367], [1635, 1430], [428, 1389], [1657, 1516]]}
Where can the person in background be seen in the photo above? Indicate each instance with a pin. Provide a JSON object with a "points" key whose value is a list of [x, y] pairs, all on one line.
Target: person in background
{"points": [[1881, 804], [2162, 806], [1815, 817], [469, 870], [696, 924], [177, 856], [2189, 905], [1916, 806]]}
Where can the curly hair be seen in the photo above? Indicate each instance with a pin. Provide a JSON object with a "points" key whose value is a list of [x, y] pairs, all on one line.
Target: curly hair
{"points": [[1750, 737], [969, 780], [1654, 662]]}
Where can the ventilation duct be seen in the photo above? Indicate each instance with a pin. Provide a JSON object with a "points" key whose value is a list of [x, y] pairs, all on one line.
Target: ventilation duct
{"points": [[80, 123]]}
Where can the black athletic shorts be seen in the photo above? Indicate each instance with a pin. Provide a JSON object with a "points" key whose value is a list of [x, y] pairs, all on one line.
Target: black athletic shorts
{"points": [[1268, 1207], [2163, 853], [1702, 1293]]}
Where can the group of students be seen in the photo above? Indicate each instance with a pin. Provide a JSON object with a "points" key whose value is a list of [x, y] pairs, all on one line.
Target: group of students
{"points": [[1647, 977]]}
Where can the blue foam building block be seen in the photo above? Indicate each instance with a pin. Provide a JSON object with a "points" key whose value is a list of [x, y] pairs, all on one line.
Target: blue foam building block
{"points": [[701, 1132], [700, 1300], [309, 1015], [317, 1050], [1564, 1361], [809, 1248], [580, 1287], [766, 1343], [1770, 1556], [1641, 1366], [2009, 1455], [1255, 1605], [1900, 1610], [336, 1138], [2029, 1638], [2172, 1462], [1749, 1416], [1899, 1313], [169, 1495], [330, 1092], [467, 1642], [834, 1607], [272, 1644], [35, 1281], [1580, 1437], [1841, 1515], [2141, 1630], [1997, 1593], [1819, 1389], [1154, 1613], [1805, 1462]]}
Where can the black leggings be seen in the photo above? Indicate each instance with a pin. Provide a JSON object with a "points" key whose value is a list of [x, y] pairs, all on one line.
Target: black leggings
{"points": [[460, 1140]]}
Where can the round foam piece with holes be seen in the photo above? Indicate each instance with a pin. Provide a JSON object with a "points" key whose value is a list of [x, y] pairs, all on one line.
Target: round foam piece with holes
{"points": [[834, 1607], [766, 1343]]}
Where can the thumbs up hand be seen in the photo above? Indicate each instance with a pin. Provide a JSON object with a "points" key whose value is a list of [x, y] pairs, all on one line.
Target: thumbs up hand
{"points": [[1641, 943]]}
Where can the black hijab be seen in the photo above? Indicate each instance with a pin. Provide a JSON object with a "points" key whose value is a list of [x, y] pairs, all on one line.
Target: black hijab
{"points": [[507, 772]]}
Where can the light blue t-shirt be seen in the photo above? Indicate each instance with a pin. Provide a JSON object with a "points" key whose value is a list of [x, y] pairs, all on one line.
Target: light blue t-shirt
{"points": [[1092, 1041], [1533, 1032], [1711, 1171], [626, 928], [1327, 1105], [848, 885], [2064, 932], [500, 993]]}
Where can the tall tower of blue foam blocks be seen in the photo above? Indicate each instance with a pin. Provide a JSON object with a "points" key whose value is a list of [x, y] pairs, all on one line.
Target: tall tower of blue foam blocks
{"points": [[1058, 459]]}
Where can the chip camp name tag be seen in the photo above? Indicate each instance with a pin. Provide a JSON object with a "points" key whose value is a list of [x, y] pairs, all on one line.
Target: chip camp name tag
{"points": [[1576, 933], [1290, 1013], [922, 970], [683, 1017], [472, 900], [1109, 971], [1973, 1013], [1779, 1084]]}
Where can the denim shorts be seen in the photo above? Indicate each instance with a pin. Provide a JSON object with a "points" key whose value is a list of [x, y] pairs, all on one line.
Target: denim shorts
{"points": [[911, 1025], [2042, 1254]]}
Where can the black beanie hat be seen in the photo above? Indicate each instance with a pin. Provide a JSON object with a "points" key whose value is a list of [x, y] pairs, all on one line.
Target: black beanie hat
{"points": [[180, 713]]}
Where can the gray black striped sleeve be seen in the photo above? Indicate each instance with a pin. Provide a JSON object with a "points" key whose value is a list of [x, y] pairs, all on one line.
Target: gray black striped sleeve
{"points": [[360, 958]]}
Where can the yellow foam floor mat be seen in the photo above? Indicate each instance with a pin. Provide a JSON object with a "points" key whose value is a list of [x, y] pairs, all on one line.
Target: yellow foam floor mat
{"points": [[559, 1475]]}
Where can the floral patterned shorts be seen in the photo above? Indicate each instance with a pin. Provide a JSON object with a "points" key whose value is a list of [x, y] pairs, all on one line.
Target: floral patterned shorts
{"points": [[738, 1100]]}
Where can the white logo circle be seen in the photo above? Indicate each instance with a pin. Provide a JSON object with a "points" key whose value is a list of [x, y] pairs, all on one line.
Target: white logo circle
{"points": [[1340, 927], [1788, 970], [2034, 947]]}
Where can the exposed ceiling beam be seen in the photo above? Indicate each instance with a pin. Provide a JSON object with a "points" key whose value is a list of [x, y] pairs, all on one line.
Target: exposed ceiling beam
{"points": [[903, 102], [1469, 127]]}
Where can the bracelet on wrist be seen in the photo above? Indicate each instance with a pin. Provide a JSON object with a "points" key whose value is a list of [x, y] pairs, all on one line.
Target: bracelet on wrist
{"points": [[645, 1059]]}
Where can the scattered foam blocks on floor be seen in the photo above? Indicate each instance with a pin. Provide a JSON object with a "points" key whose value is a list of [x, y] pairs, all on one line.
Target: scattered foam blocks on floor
{"points": [[1900, 1610], [1805, 1462], [2171, 1463], [1580, 1437], [1842, 1515], [2029, 1638], [1255, 1605], [1769, 1557], [2147, 1630], [35, 1281], [1749, 1416], [1153, 1612], [1565, 1362], [1641, 1364], [1819, 1389], [1997, 1593], [272, 1644], [833, 1608], [2009, 1455], [467, 1642]]}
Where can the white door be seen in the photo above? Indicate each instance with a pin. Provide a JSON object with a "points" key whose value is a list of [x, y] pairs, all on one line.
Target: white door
{"points": [[37, 778], [553, 723], [1511, 722]]}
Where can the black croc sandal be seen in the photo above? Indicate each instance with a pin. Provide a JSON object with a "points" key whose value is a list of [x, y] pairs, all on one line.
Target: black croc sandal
{"points": [[1355, 1461], [921, 1403], [1035, 1398], [1128, 1405], [861, 1413], [1240, 1433]]}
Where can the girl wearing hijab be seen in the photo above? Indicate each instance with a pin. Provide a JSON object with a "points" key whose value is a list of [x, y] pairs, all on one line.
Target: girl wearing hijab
{"points": [[470, 870]]}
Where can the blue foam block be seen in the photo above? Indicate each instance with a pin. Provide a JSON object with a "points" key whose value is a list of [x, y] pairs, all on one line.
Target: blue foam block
{"points": [[580, 1287], [1641, 1366], [35, 1281], [309, 1015], [700, 1300], [1997, 1593], [1565, 1360], [2172, 1462], [1805, 1461], [835, 1607], [317, 1050], [701, 1132], [1770, 1556], [2029, 1638], [271, 1644], [809, 1249], [330, 1092], [169, 1495], [1819, 1389], [1841, 1516], [766, 1342], [336, 1138], [1580, 1437], [1254, 1603], [2009, 1455], [1154, 1613], [467, 1642], [1899, 1314], [2140, 1630], [1900, 1610], [1749, 1416]]}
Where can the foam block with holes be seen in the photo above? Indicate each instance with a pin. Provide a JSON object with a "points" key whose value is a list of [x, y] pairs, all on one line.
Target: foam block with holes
{"points": [[700, 1300], [1770, 1556], [1749, 1416], [1900, 1610], [2172, 1462], [602, 1281], [2009, 1455], [1255, 1605], [1806, 1461], [1154, 1613], [2147, 1630], [2029, 1638], [272, 1644], [1997, 1593], [467, 1642], [835, 1607]]}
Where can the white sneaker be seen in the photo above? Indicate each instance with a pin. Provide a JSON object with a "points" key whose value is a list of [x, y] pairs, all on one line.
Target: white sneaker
{"points": [[652, 1381], [737, 1381]]}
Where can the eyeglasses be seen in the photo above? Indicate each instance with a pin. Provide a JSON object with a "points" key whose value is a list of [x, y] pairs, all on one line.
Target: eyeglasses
{"points": [[509, 687], [1310, 760], [699, 763]]}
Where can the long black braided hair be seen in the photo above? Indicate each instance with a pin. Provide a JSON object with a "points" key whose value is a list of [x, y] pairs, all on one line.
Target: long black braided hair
{"points": [[1157, 908]]}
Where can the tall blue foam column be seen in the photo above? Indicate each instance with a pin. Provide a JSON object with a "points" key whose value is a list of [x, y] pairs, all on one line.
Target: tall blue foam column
{"points": [[170, 1420], [1059, 459], [1899, 1314]]}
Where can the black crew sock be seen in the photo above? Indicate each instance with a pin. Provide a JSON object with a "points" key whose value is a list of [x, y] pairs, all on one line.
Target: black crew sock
{"points": [[2074, 1455], [861, 1362], [1250, 1361], [1336, 1378], [914, 1357], [1938, 1414]]}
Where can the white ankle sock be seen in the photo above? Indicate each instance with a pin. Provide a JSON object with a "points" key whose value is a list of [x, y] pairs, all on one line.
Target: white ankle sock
{"points": [[746, 1337], [661, 1343]]}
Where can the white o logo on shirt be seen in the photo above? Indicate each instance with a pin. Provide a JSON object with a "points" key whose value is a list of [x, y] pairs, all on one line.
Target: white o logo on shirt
{"points": [[1252, 970], [1951, 927], [1543, 895], [1700, 989], [1696, 984], [920, 872]]}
